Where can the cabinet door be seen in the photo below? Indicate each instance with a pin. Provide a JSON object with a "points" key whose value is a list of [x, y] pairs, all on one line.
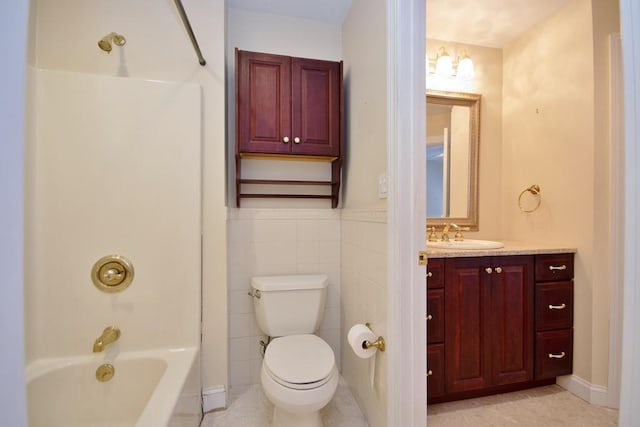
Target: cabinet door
{"points": [[435, 370], [467, 314], [511, 326], [435, 315], [315, 107], [263, 103]]}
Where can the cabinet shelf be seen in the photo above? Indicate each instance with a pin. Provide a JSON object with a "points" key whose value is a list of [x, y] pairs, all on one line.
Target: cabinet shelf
{"points": [[288, 108]]}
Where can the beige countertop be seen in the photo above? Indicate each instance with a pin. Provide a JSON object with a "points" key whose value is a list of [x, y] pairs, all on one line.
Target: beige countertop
{"points": [[510, 248]]}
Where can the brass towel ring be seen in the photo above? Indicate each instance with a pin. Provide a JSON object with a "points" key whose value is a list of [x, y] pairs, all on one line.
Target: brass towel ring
{"points": [[535, 191]]}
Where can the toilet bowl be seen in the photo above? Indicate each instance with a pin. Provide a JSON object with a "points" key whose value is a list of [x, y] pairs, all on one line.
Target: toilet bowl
{"points": [[299, 377]]}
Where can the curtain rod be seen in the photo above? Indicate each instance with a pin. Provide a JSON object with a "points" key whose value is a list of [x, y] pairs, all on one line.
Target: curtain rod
{"points": [[187, 26]]}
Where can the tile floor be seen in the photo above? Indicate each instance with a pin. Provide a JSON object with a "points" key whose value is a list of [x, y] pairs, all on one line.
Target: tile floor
{"points": [[249, 407], [549, 406]]}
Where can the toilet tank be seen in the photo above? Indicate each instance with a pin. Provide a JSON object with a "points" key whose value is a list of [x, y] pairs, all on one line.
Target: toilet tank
{"points": [[289, 305]]}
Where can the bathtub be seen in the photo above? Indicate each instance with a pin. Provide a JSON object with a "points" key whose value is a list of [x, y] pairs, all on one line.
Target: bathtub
{"points": [[145, 390]]}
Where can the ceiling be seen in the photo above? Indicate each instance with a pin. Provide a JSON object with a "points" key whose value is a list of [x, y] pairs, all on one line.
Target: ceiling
{"points": [[491, 23], [331, 11]]}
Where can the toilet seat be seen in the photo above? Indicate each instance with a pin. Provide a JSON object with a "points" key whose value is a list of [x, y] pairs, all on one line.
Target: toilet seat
{"points": [[299, 362]]}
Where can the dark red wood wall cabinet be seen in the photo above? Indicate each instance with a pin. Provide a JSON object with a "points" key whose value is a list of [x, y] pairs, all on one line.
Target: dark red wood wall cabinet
{"points": [[289, 107]]}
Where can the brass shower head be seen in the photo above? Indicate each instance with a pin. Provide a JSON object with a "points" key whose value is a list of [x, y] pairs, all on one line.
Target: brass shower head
{"points": [[105, 42]]}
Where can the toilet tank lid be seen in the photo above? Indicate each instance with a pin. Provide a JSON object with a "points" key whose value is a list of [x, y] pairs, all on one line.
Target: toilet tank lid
{"points": [[288, 283]]}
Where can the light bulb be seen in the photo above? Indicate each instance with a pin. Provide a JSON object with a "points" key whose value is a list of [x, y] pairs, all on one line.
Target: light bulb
{"points": [[465, 68]]}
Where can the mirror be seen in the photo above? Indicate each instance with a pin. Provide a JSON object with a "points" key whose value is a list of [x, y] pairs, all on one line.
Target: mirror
{"points": [[453, 140]]}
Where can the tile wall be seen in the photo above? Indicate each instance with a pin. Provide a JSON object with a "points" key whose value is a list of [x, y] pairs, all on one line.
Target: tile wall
{"points": [[277, 241]]}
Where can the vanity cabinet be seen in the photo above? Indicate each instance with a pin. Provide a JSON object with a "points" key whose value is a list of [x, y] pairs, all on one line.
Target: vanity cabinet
{"points": [[288, 107], [507, 323]]}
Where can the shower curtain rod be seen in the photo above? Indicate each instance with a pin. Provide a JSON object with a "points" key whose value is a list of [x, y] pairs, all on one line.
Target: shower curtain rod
{"points": [[187, 26]]}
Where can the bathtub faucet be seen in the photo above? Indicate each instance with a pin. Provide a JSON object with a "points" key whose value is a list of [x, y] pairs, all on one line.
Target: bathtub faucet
{"points": [[109, 335]]}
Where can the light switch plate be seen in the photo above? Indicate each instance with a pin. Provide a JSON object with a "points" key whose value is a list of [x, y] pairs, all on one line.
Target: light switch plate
{"points": [[383, 186]]}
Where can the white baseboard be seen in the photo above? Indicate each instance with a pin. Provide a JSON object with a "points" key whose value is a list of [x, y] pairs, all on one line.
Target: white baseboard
{"points": [[214, 398], [594, 394]]}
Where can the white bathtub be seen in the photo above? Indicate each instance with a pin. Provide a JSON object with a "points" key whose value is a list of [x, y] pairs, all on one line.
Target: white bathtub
{"points": [[144, 391]]}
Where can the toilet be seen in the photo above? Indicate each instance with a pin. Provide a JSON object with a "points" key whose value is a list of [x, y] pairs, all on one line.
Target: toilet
{"points": [[298, 374]]}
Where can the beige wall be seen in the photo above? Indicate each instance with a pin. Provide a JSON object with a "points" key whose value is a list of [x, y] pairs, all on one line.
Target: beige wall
{"points": [[364, 223], [487, 82], [67, 32], [555, 135]]}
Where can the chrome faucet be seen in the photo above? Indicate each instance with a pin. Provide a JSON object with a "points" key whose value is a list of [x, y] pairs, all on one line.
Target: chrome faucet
{"points": [[109, 335]]}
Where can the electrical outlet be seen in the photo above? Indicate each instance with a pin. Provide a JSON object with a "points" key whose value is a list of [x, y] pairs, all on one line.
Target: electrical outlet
{"points": [[383, 186]]}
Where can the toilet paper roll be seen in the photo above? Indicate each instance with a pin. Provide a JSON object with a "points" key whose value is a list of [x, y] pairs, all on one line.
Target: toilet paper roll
{"points": [[358, 334]]}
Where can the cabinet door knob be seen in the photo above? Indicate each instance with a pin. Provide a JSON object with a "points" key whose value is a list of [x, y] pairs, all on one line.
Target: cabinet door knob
{"points": [[429, 317], [429, 372], [498, 270], [557, 307], [429, 274], [296, 140], [489, 270], [285, 140], [557, 356]]}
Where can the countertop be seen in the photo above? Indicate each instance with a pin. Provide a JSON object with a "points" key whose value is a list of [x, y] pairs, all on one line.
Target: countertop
{"points": [[510, 248]]}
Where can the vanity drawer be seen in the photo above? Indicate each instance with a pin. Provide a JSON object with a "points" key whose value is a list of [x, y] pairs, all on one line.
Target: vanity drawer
{"points": [[554, 353], [435, 315], [554, 305], [435, 273], [554, 267], [435, 370]]}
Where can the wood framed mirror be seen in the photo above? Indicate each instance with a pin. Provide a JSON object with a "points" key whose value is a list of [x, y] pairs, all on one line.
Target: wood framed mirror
{"points": [[453, 143]]}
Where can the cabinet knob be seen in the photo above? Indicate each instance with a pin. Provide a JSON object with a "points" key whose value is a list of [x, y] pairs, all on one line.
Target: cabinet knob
{"points": [[285, 140], [557, 356], [489, 270], [429, 317], [429, 372], [296, 140], [498, 270], [429, 274]]}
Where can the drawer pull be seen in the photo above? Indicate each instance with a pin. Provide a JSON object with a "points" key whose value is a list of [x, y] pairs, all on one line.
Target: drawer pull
{"points": [[429, 372], [558, 267], [557, 356], [429, 317], [557, 307], [429, 274]]}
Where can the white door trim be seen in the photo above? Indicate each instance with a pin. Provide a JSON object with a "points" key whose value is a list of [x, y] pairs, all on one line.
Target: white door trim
{"points": [[630, 387], [406, 391]]}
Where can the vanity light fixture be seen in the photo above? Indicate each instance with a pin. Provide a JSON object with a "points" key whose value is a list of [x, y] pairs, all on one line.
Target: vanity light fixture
{"points": [[445, 67]]}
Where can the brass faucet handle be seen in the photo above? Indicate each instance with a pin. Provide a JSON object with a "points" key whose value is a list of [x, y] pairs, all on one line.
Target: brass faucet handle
{"points": [[458, 237], [433, 237]]}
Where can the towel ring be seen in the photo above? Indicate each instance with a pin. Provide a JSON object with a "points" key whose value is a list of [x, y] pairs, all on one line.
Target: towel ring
{"points": [[535, 191]]}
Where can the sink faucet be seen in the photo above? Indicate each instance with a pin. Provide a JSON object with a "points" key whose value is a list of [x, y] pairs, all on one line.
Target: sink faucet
{"points": [[445, 231], [109, 335]]}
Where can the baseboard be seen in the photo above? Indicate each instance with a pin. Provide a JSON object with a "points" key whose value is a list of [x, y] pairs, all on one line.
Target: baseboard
{"points": [[214, 398], [594, 394]]}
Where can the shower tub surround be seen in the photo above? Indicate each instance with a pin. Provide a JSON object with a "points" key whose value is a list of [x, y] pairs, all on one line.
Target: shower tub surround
{"points": [[113, 167]]}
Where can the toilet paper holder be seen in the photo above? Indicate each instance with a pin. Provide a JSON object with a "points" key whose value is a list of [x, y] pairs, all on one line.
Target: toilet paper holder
{"points": [[379, 343]]}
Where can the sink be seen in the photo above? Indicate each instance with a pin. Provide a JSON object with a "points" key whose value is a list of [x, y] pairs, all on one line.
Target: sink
{"points": [[466, 244]]}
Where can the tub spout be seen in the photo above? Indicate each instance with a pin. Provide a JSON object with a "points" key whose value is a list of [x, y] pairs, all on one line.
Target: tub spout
{"points": [[109, 335]]}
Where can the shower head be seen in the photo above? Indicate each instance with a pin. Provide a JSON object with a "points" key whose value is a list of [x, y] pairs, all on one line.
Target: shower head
{"points": [[105, 42]]}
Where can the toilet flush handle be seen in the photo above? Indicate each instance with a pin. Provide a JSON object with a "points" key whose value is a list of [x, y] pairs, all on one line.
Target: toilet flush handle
{"points": [[255, 293]]}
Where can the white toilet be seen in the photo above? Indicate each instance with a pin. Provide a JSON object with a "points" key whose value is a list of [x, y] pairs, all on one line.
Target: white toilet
{"points": [[298, 374]]}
